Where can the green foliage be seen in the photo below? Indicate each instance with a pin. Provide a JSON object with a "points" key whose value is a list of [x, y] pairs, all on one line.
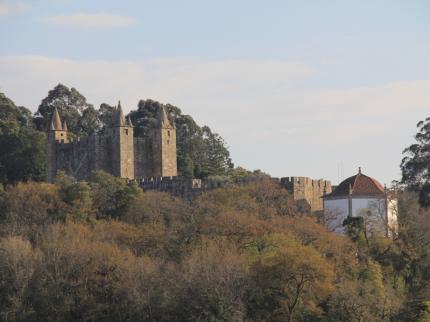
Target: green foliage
{"points": [[22, 156], [111, 195], [291, 279], [424, 312], [23, 153], [81, 117], [10, 112], [105, 114], [415, 165], [26, 208], [78, 195], [354, 228]]}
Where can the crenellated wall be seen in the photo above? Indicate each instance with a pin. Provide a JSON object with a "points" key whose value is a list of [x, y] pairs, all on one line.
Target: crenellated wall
{"points": [[178, 186], [310, 190]]}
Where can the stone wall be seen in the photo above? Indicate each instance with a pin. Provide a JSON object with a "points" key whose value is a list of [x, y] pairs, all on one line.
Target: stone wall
{"points": [[143, 161], [116, 152], [309, 190], [74, 158], [178, 186]]}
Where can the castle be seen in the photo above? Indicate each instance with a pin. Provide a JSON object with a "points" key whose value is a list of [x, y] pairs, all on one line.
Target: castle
{"points": [[114, 150], [148, 161]]}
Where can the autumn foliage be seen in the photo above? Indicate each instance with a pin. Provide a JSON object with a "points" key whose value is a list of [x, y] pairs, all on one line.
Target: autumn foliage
{"points": [[105, 251]]}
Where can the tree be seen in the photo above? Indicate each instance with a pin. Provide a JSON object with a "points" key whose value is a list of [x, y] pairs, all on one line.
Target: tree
{"points": [[82, 279], [73, 108], [105, 114], [111, 195], [10, 112], [362, 300], [415, 165], [22, 148], [18, 263], [89, 122], [213, 284], [77, 195], [290, 279], [216, 159], [154, 207], [27, 207], [413, 262], [23, 153]]}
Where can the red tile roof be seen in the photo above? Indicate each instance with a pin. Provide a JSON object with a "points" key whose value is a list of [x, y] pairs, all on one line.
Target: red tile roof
{"points": [[359, 184]]}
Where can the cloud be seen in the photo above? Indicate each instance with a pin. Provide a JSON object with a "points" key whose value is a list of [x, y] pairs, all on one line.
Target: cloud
{"points": [[265, 109], [12, 8], [91, 20]]}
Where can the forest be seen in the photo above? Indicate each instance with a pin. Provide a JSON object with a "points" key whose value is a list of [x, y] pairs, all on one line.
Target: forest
{"points": [[104, 250]]}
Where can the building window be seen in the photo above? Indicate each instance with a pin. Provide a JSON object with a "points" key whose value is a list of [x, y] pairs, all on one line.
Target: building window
{"points": [[61, 134], [168, 141], [168, 133], [126, 131]]}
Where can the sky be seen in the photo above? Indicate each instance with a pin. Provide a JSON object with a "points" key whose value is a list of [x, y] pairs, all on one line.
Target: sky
{"points": [[296, 88]]}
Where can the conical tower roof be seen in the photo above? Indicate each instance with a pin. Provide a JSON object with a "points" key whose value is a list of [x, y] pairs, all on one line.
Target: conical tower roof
{"points": [[163, 120], [56, 121], [119, 116], [65, 128]]}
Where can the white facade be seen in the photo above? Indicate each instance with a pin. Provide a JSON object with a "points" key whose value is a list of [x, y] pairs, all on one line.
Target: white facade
{"points": [[378, 211], [335, 212]]}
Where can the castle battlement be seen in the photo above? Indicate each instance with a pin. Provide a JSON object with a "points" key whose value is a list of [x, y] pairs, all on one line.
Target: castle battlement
{"points": [[305, 181], [179, 186], [307, 189]]}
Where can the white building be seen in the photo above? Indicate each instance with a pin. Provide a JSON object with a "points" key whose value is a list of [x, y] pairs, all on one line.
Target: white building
{"points": [[361, 196]]}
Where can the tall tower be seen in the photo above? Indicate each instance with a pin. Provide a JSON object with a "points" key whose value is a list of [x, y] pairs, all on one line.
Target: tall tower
{"points": [[57, 133], [122, 145], [164, 147]]}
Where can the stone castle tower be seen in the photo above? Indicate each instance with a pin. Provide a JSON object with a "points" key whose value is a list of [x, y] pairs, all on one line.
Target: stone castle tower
{"points": [[309, 190], [114, 150], [164, 147], [57, 133], [121, 134]]}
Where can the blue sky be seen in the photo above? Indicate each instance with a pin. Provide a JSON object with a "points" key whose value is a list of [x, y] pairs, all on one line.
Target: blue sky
{"points": [[304, 88]]}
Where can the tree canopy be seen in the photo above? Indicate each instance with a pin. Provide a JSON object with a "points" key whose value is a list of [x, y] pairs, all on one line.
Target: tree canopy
{"points": [[22, 148], [81, 117], [415, 165]]}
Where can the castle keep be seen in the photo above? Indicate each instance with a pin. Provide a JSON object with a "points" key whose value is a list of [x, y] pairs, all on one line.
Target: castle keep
{"points": [[114, 150]]}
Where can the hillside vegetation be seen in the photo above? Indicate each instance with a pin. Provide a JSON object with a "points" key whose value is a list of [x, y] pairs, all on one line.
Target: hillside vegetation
{"points": [[105, 251]]}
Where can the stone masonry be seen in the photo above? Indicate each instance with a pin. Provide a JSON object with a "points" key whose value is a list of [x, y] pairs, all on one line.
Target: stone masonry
{"points": [[114, 150], [309, 190]]}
